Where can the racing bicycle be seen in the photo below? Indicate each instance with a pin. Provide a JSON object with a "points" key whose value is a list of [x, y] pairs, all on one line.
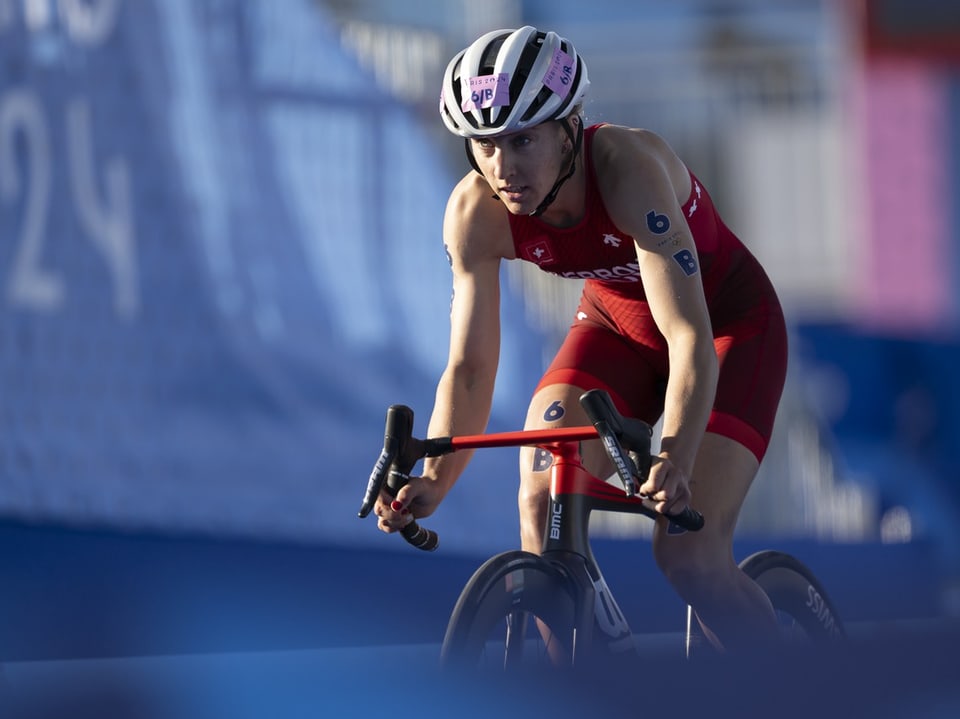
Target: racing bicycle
{"points": [[575, 617]]}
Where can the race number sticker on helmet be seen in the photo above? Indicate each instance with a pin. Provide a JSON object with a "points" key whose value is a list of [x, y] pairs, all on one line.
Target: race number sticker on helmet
{"points": [[560, 73], [486, 91], [471, 103]]}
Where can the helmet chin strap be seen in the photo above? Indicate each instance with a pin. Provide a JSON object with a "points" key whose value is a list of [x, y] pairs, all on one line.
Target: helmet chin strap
{"points": [[552, 195], [473, 161]]}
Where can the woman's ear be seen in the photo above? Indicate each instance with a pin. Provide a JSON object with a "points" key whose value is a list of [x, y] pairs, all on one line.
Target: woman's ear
{"points": [[566, 144]]}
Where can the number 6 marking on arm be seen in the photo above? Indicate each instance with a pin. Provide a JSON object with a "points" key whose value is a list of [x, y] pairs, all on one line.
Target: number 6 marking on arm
{"points": [[657, 224]]}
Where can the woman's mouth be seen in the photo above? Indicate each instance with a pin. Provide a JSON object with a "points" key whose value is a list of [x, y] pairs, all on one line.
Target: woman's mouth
{"points": [[513, 192]]}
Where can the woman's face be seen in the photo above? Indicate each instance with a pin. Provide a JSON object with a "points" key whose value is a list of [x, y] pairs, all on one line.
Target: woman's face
{"points": [[521, 167]]}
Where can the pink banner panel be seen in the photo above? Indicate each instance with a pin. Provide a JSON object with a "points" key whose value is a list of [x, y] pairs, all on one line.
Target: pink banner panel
{"points": [[906, 270]]}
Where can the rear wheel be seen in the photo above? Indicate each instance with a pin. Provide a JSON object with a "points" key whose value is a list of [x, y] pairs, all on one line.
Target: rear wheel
{"points": [[805, 612], [803, 607], [518, 610]]}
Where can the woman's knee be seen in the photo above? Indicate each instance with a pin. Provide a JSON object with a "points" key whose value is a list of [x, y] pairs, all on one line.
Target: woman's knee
{"points": [[692, 564], [533, 494], [695, 559], [532, 502]]}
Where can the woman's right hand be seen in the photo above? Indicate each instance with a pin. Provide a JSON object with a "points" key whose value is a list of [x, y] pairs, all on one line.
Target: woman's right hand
{"points": [[667, 486], [419, 498]]}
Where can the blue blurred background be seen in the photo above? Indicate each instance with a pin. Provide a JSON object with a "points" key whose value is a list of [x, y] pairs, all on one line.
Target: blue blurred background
{"points": [[222, 260]]}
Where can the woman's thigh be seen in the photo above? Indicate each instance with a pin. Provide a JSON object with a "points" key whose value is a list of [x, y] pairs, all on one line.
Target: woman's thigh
{"points": [[722, 475]]}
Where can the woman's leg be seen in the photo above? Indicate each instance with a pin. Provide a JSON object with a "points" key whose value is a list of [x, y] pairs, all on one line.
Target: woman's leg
{"points": [[732, 608], [555, 405]]}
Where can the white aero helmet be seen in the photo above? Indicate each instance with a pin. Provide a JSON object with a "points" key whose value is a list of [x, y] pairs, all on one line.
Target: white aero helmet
{"points": [[511, 79]]}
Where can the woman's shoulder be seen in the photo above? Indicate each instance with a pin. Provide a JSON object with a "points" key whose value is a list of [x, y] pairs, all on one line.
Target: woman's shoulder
{"points": [[475, 221], [472, 200], [643, 155], [630, 143]]}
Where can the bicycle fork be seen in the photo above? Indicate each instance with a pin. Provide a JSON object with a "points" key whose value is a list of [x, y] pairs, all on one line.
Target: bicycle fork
{"points": [[610, 620], [600, 627]]}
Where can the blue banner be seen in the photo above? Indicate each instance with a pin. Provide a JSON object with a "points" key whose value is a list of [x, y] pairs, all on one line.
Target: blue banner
{"points": [[221, 262]]}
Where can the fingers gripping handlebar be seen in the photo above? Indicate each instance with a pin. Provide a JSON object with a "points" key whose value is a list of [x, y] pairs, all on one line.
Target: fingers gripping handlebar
{"points": [[401, 451], [618, 432]]}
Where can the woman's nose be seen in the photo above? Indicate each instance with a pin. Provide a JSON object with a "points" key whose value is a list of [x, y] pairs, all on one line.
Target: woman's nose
{"points": [[503, 167]]}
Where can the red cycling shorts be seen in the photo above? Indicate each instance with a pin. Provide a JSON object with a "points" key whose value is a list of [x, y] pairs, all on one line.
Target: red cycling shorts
{"points": [[615, 345]]}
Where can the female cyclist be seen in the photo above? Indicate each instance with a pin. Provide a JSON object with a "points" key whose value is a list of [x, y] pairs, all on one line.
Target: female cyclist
{"points": [[677, 318]]}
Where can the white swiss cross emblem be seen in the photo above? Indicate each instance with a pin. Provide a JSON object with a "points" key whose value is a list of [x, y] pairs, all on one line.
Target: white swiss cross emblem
{"points": [[538, 252]]}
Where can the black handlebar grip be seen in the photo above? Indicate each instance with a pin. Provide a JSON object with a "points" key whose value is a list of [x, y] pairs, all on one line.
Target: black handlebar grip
{"points": [[600, 408], [425, 539], [689, 519]]}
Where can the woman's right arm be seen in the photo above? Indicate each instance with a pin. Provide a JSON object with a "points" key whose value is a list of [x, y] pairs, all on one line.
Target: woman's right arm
{"points": [[476, 236]]}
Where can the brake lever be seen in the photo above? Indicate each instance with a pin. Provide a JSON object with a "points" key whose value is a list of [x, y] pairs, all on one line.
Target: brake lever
{"points": [[377, 477], [401, 451]]}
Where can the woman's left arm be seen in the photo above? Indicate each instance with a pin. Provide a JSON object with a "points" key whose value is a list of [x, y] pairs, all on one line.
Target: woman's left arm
{"points": [[642, 195]]}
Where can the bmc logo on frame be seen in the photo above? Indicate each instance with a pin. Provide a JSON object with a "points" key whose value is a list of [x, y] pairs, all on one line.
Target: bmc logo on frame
{"points": [[555, 515]]}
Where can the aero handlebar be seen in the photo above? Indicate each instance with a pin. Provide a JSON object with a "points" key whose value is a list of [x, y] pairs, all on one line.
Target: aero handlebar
{"points": [[626, 440]]}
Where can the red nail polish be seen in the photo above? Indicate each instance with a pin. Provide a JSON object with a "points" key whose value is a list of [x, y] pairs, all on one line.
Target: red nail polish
{"points": [[396, 506]]}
